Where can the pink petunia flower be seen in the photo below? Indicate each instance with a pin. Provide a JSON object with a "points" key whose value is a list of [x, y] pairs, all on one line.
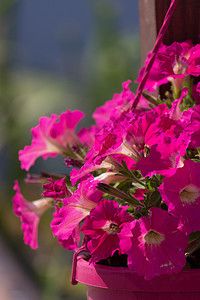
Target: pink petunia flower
{"points": [[76, 208], [194, 61], [51, 138], [63, 131], [156, 78], [154, 244], [29, 214], [193, 127], [84, 172], [110, 145], [119, 107], [196, 92], [103, 226], [163, 124], [71, 241], [165, 157], [173, 63], [175, 111], [56, 189], [139, 131], [122, 140], [87, 136], [181, 193]]}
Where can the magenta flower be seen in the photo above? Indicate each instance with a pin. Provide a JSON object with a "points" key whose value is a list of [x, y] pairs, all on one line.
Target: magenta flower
{"points": [[174, 59], [102, 114], [175, 112], [119, 107], [181, 193], [84, 172], [193, 127], [165, 157], [64, 130], [103, 226], [156, 78], [173, 63], [154, 245], [194, 61], [51, 138], [196, 93], [163, 124], [122, 140], [198, 88], [139, 132], [56, 189], [110, 146], [29, 214], [76, 208], [87, 136], [71, 241]]}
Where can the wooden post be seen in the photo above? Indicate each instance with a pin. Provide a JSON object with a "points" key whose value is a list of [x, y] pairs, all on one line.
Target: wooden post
{"points": [[184, 25]]}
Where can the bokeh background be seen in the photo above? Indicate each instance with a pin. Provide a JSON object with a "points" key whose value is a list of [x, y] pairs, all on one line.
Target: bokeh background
{"points": [[54, 56]]}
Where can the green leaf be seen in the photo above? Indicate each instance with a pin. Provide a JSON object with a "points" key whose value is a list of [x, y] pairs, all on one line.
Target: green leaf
{"points": [[194, 243], [155, 199], [138, 185], [196, 160], [106, 188]]}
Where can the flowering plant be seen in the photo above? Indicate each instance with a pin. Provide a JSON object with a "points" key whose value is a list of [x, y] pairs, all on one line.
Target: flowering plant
{"points": [[134, 189]]}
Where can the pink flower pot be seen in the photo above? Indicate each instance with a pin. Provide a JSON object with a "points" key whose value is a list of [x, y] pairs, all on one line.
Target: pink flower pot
{"points": [[114, 283]]}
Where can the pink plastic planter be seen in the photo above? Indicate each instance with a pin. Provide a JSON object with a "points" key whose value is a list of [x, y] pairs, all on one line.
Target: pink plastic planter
{"points": [[113, 283]]}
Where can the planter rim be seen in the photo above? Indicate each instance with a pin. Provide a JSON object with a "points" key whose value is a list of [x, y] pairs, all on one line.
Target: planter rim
{"points": [[119, 278]]}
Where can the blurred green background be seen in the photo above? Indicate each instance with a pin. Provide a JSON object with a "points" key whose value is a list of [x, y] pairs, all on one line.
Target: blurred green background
{"points": [[53, 57]]}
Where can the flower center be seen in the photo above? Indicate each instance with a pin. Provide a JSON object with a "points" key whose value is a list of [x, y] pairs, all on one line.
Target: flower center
{"points": [[180, 66], [189, 194], [153, 237], [174, 162], [113, 229]]}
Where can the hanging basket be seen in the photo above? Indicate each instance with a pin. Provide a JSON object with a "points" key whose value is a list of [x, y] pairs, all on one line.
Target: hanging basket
{"points": [[117, 283]]}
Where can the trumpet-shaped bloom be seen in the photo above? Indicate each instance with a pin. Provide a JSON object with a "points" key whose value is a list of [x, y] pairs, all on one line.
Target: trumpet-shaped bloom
{"points": [[181, 193], [154, 244], [29, 214], [103, 226], [51, 137], [172, 64], [75, 209]]}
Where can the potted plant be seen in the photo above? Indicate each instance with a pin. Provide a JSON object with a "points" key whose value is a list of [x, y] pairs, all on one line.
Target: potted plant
{"points": [[132, 200]]}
